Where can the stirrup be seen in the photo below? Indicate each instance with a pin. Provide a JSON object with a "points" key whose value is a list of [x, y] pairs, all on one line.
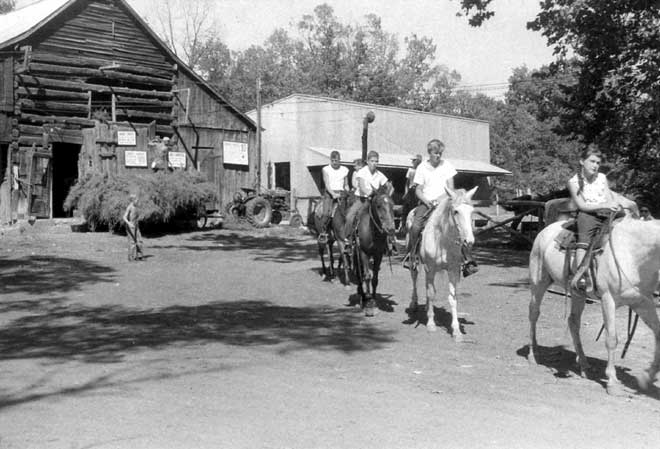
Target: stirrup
{"points": [[408, 262], [323, 238]]}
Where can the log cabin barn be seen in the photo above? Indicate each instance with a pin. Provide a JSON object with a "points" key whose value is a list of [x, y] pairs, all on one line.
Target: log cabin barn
{"points": [[87, 87], [300, 131]]}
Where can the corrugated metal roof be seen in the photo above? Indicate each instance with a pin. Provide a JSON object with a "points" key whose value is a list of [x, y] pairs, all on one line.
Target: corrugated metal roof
{"points": [[16, 23], [321, 156]]}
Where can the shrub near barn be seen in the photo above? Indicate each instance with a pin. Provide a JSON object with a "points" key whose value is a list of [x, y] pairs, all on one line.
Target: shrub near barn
{"points": [[163, 198]]}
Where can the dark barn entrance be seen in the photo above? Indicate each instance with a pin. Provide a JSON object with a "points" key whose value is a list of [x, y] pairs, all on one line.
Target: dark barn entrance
{"points": [[65, 175]]}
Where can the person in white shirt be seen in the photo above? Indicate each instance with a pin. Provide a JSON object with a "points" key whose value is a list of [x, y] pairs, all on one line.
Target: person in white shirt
{"points": [[357, 165], [335, 183], [369, 179], [592, 196], [431, 178]]}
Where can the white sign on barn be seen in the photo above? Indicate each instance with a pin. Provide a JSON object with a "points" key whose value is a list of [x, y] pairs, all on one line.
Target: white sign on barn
{"points": [[135, 158], [177, 159], [126, 138], [235, 153]]}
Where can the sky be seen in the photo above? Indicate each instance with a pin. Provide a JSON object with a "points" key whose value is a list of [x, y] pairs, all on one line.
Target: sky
{"points": [[485, 56]]}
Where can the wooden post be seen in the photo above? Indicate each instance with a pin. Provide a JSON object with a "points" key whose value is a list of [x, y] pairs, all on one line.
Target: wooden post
{"points": [[258, 173]]}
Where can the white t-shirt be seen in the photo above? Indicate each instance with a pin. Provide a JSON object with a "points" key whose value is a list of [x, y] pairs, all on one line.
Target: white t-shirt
{"points": [[335, 177], [594, 192], [372, 180], [433, 180]]}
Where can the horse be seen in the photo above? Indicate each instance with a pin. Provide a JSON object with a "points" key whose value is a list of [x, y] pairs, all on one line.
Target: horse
{"points": [[335, 232], [626, 275], [447, 231], [375, 224]]}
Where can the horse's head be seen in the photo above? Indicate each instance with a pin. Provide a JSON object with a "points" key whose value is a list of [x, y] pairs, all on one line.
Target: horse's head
{"points": [[460, 208], [382, 210]]}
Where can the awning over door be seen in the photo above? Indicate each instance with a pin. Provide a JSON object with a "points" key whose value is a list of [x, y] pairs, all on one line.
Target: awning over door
{"points": [[321, 156]]}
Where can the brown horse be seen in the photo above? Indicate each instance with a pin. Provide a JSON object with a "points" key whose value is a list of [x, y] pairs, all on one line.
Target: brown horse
{"points": [[335, 232], [375, 224]]}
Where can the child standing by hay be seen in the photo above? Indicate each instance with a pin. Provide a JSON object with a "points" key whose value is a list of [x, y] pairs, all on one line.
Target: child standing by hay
{"points": [[131, 218]]}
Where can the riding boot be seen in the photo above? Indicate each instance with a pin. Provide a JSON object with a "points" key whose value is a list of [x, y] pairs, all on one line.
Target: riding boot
{"points": [[581, 279]]}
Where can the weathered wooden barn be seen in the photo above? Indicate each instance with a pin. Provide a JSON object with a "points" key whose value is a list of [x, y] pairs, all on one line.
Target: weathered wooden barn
{"points": [[300, 131], [86, 86]]}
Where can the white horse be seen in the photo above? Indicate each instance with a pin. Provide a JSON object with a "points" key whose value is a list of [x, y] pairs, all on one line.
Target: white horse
{"points": [[627, 275], [448, 228]]}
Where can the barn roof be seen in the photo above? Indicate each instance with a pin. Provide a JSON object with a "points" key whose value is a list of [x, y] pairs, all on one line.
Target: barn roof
{"points": [[21, 23]]}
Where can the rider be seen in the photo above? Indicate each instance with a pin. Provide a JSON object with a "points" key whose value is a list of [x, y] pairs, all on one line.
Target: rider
{"points": [[369, 179], [335, 181], [591, 194], [431, 178]]}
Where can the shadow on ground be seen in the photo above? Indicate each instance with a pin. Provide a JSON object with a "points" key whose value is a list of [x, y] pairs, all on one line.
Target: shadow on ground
{"points": [[105, 334], [562, 362], [43, 274], [267, 248]]}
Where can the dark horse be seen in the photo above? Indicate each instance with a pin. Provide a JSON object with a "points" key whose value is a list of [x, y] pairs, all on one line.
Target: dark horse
{"points": [[335, 231], [375, 223]]}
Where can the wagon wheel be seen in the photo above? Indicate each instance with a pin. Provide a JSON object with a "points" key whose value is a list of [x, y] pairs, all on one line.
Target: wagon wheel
{"points": [[259, 211], [295, 221]]}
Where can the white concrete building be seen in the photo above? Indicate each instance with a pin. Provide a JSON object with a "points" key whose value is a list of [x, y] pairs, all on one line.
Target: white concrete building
{"points": [[300, 131]]}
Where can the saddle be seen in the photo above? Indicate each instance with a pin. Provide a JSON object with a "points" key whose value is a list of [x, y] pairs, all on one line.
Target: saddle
{"points": [[567, 241]]}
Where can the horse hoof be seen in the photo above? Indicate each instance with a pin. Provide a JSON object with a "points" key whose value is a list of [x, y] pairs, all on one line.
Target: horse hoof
{"points": [[369, 311], [644, 381], [614, 389], [431, 327], [458, 338]]}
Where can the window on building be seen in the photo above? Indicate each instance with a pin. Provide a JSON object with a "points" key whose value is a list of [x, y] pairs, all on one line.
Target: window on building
{"points": [[283, 175]]}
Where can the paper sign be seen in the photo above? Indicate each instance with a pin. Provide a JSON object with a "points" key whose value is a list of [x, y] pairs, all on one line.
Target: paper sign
{"points": [[177, 159], [126, 138], [135, 158], [235, 153]]}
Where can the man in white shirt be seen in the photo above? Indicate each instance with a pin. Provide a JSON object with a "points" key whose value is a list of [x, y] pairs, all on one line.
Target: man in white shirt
{"points": [[431, 178], [335, 183], [369, 179]]}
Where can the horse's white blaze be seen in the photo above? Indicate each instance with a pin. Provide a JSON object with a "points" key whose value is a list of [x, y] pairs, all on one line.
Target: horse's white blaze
{"points": [[627, 275]]}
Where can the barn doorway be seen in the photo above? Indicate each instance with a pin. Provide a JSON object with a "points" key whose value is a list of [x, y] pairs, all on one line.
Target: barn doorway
{"points": [[65, 175]]}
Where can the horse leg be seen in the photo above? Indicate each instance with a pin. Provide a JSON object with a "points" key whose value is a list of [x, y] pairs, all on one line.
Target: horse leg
{"points": [[538, 288], [647, 312], [453, 277], [374, 278], [368, 283], [414, 299], [608, 308], [321, 255], [332, 259], [430, 297], [574, 319]]}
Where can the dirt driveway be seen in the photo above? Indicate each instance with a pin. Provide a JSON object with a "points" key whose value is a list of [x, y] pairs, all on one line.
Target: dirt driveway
{"points": [[230, 339]]}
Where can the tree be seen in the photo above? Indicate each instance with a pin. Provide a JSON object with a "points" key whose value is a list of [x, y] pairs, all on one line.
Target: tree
{"points": [[7, 6], [615, 101], [186, 26]]}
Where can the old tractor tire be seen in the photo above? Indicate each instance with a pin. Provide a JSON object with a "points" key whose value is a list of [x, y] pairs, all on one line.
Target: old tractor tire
{"points": [[259, 212]]}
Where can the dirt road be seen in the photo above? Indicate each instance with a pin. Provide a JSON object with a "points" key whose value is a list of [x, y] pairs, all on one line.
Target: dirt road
{"points": [[230, 339]]}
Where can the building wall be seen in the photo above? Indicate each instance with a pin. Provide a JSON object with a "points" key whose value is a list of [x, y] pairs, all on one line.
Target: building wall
{"points": [[295, 123]]}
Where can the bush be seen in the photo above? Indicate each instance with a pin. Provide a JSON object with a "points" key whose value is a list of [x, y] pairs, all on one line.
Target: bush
{"points": [[162, 197]]}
